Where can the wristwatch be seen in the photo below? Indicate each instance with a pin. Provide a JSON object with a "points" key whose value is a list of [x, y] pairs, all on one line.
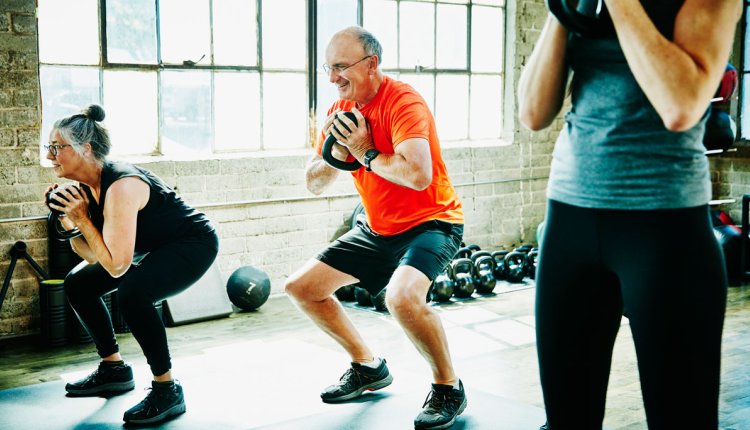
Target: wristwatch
{"points": [[369, 156]]}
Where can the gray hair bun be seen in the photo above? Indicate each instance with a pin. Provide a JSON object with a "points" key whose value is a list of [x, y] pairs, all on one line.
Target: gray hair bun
{"points": [[94, 112]]}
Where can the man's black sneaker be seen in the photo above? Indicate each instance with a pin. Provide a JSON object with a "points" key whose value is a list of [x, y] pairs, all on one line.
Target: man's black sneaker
{"points": [[164, 401], [442, 406], [356, 380], [544, 427], [107, 378]]}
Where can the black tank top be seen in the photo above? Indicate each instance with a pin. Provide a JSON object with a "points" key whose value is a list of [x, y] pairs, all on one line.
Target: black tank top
{"points": [[164, 219]]}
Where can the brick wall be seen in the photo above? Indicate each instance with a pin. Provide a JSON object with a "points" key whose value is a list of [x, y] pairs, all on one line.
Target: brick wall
{"points": [[264, 214]]}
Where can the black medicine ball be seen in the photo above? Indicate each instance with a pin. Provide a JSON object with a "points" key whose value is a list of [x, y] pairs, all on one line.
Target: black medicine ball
{"points": [[248, 288]]}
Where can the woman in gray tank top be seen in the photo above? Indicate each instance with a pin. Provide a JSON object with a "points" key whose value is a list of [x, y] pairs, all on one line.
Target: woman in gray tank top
{"points": [[628, 193]]}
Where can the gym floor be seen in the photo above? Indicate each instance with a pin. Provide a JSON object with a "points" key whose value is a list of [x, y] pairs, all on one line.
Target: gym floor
{"points": [[491, 338]]}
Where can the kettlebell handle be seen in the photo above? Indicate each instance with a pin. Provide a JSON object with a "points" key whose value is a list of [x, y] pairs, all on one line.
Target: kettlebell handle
{"points": [[463, 265], [349, 166]]}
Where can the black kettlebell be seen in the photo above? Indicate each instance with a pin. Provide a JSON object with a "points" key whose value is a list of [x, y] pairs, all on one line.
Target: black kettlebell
{"points": [[463, 252], [485, 274], [500, 268], [363, 297], [328, 146], [442, 287], [463, 272], [378, 301], [345, 293], [515, 266], [531, 259], [474, 247], [585, 18], [61, 233]]}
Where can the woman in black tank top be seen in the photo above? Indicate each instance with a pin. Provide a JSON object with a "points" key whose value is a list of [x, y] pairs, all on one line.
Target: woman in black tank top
{"points": [[137, 237]]}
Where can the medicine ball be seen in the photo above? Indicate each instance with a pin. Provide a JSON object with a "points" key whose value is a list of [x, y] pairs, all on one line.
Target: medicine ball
{"points": [[248, 288]]}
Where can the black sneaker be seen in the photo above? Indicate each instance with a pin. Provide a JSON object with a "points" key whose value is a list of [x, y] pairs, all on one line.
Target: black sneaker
{"points": [[442, 406], [544, 427], [164, 401], [107, 378], [356, 380]]}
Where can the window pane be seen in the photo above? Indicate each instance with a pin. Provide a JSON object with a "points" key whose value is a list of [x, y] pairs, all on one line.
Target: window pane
{"points": [[66, 24], [185, 31], [284, 34], [237, 105], [235, 32], [746, 45], [486, 106], [487, 25], [452, 106], [745, 113], [65, 91], [284, 110], [131, 31], [424, 84], [380, 18], [490, 2], [417, 38], [131, 106], [186, 111], [451, 37], [333, 15]]}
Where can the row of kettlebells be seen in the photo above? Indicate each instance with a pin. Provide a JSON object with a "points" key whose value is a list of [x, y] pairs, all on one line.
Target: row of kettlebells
{"points": [[476, 270]]}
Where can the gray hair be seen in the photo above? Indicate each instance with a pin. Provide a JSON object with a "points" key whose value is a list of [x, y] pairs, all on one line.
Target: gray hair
{"points": [[369, 42], [84, 128]]}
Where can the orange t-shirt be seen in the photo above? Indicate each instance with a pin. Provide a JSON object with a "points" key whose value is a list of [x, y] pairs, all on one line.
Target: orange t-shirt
{"points": [[398, 113]]}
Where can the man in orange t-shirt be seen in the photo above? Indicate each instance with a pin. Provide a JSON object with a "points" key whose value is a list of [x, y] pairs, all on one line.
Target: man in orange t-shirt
{"points": [[413, 228]]}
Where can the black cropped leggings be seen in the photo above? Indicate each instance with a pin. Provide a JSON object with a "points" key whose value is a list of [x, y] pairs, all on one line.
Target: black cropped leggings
{"points": [[165, 272], [664, 270]]}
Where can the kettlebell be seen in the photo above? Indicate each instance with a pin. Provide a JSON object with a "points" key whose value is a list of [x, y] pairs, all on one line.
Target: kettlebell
{"points": [[463, 252], [463, 270], [363, 297], [500, 268], [442, 287], [515, 266], [484, 279], [378, 301], [531, 259], [585, 18], [53, 219], [328, 146]]}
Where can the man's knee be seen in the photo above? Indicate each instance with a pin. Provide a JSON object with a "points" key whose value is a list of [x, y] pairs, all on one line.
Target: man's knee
{"points": [[403, 300]]}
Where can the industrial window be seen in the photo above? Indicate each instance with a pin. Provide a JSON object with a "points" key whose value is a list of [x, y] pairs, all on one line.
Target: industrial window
{"points": [[190, 78]]}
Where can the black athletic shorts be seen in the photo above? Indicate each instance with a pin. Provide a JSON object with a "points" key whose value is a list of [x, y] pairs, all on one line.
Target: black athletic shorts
{"points": [[372, 258]]}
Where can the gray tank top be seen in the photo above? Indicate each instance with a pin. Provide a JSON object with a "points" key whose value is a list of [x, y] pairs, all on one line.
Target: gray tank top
{"points": [[614, 151]]}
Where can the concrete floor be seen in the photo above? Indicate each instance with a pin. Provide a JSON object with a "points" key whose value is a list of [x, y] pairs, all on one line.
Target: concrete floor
{"points": [[492, 341]]}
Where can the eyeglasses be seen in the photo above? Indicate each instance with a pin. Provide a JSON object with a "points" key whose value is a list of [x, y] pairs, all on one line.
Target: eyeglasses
{"points": [[52, 149], [340, 68]]}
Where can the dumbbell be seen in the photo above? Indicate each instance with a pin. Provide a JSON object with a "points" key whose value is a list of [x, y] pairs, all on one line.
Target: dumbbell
{"points": [[463, 274]]}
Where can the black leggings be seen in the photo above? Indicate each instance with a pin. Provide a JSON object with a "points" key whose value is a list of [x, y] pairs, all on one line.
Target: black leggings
{"points": [[165, 272], [663, 269]]}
